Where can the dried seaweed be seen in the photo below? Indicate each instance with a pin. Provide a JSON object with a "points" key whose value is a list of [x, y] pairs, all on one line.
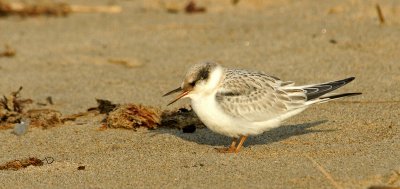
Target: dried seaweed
{"points": [[235, 2], [82, 167], [8, 52], [13, 102], [23, 163], [192, 7], [51, 9], [132, 116], [22, 9], [73, 117], [12, 109], [380, 14], [128, 116], [45, 118], [49, 100], [12, 112]]}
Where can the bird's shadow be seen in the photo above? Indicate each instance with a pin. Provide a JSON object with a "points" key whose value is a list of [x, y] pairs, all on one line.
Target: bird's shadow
{"points": [[207, 137]]}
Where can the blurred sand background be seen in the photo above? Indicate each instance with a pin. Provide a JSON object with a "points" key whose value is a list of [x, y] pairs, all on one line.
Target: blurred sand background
{"points": [[356, 140]]}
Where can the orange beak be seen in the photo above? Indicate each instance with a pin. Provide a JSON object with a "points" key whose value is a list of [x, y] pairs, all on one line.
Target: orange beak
{"points": [[184, 93]]}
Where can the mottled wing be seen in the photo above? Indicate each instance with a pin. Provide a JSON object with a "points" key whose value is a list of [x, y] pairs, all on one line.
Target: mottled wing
{"points": [[256, 96]]}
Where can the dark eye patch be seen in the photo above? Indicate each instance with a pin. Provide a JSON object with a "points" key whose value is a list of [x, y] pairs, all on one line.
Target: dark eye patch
{"points": [[203, 73]]}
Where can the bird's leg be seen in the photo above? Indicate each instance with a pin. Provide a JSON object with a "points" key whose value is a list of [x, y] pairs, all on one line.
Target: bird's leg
{"points": [[242, 139], [230, 149]]}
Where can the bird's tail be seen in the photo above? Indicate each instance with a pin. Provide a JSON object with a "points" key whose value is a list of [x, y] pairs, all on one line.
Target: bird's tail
{"points": [[317, 91]]}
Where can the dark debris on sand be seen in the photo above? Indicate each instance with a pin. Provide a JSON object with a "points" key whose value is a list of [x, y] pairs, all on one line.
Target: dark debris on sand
{"points": [[23, 9], [132, 116], [128, 116], [8, 52], [13, 111], [192, 7], [19, 164], [182, 118], [51, 9], [104, 106]]}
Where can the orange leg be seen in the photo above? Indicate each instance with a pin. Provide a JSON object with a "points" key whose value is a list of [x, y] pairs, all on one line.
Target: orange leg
{"points": [[230, 149], [240, 143], [233, 148]]}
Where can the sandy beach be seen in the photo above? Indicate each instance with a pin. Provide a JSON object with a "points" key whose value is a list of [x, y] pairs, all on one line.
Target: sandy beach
{"points": [[139, 54]]}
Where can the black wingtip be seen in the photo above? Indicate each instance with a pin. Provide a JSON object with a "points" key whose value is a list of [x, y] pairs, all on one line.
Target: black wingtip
{"points": [[348, 80], [341, 95], [318, 90], [345, 81]]}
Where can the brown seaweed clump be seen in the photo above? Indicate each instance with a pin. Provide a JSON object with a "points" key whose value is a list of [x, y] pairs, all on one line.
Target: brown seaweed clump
{"points": [[12, 112], [192, 7], [12, 109], [51, 9], [45, 118], [8, 52], [132, 116], [13, 102], [19, 164], [22, 9]]}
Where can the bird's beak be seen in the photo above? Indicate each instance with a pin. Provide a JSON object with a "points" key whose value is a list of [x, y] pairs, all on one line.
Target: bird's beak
{"points": [[173, 91], [183, 93]]}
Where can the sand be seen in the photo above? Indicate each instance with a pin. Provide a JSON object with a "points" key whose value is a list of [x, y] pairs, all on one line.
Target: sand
{"points": [[356, 140]]}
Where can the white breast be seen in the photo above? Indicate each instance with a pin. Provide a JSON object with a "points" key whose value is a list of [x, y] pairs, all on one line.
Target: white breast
{"points": [[214, 118]]}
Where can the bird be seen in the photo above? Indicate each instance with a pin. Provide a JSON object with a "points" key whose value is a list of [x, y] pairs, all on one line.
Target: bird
{"points": [[239, 103]]}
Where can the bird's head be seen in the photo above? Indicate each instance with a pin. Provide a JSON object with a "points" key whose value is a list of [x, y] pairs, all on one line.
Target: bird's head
{"points": [[201, 78]]}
